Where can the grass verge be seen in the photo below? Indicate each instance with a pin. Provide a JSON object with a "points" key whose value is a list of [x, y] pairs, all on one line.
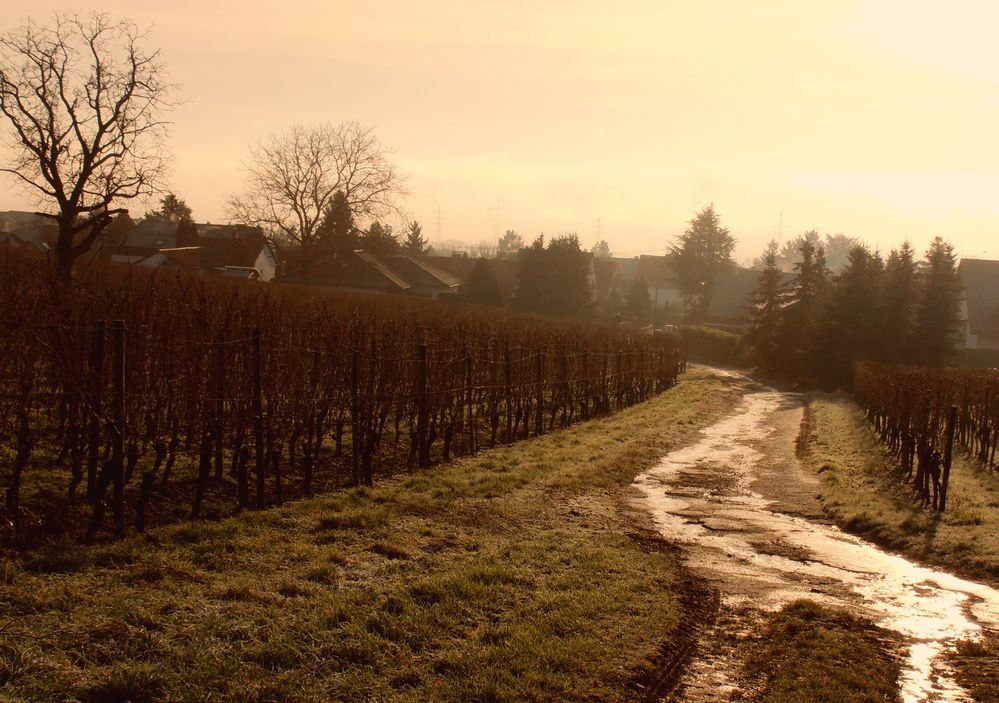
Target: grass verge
{"points": [[862, 492], [816, 655], [507, 576]]}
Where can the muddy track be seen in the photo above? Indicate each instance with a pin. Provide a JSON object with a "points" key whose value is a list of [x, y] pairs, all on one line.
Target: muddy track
{"points": [[750, 530]]}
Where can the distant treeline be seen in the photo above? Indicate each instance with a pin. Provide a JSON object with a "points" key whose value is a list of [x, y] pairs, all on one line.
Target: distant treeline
{"points": [[810, 326]]}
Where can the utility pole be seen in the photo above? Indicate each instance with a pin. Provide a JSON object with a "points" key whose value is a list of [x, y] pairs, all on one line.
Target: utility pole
{"points": [[438, 223]]}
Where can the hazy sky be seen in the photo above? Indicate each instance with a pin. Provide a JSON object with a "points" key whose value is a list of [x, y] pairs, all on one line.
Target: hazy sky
{"points": [[872, 118]]}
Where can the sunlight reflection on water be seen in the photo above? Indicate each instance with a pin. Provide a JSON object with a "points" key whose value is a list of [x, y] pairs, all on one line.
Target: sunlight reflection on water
{"points": [[700, 496]]}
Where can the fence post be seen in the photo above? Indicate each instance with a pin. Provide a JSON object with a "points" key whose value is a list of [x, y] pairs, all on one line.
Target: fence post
{"points": [[507, 372], [219, 407], [642, 395], [118, 423], [586, 385], [618, 387], [539, 422], [422, 410], [605, 400], [355, 411], [258, 416], [948, 454], [468, 402], [96, 396]]}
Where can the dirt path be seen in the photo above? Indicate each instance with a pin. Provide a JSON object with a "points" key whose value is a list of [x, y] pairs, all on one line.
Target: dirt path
{"points": [[749, 524]]}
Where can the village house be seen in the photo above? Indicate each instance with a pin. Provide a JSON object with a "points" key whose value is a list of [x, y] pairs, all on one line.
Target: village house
{"points": [[980, 306], [361, 272], [233, 251]]}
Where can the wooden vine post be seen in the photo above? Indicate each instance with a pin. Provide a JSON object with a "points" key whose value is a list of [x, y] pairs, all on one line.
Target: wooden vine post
{"points": [[118, 424], [95, 396], [258, 416], [468, 402], [508, 394], [422, 409], [948, 454], [539, 422], [355, 418]]}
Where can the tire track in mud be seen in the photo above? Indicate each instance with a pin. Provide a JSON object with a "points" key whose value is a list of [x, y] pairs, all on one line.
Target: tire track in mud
{"points": [[751, 530], [700, 606]]}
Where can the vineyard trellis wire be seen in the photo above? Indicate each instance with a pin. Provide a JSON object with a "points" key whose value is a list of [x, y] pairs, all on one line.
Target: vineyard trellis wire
{"points": [[920, 413], [270, 391]]}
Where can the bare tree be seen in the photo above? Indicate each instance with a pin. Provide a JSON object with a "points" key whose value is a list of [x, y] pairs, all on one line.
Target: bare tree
{"points": [[292, 178], [84, 102]]}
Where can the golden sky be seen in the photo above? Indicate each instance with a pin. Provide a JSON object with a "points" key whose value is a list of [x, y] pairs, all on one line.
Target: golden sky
{"points": [[874, 118]]}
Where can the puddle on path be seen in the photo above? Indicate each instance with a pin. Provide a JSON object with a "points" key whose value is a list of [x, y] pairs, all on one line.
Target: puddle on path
{"points": [[761, 558]]}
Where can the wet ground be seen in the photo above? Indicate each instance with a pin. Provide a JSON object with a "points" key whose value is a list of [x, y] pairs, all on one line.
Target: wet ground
{"points": [[746, 517]]}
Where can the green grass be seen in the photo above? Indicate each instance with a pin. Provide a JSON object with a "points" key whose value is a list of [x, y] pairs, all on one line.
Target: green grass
{"points": [[861, 490], [814, 654], [507, 576]]}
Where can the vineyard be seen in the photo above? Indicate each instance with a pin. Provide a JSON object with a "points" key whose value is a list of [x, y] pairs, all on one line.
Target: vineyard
{"points": [[920, 413], [154, 395]]}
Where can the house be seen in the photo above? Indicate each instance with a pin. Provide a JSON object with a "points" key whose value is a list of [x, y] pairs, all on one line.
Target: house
{"points": [[661, 281], [32, 229], [358, 272], [249, 257], [460, 267], [607, 279], [425, 280], [731, 296], [980, 307], [15, 242], [659, 278]]}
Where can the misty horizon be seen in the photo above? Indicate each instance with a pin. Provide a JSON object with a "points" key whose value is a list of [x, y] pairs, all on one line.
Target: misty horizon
{"points": [[867, 119]]}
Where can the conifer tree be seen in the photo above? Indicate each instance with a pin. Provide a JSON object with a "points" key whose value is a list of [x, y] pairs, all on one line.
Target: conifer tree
{"points": [[938, 313], [639, 302], [853, 316], [482, 287], [702, 252], [767, 311], [801, 336], [898, 307], [336, 233], [379, 241], [554, 279], [415, 243]]}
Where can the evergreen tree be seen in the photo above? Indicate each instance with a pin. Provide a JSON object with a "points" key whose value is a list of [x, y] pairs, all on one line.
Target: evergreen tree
{"points": [[531, 293], [115, 235], [482, 287], [853, 316], [801, 335], [766, 315], [938, 313], [415, 243], [568, 281], [509, 243], [554, 279], [639, 303], [336, 233], [379, 241], [612, 307], [898, 306], [601, 250], [172, 209], [703, 251]]}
